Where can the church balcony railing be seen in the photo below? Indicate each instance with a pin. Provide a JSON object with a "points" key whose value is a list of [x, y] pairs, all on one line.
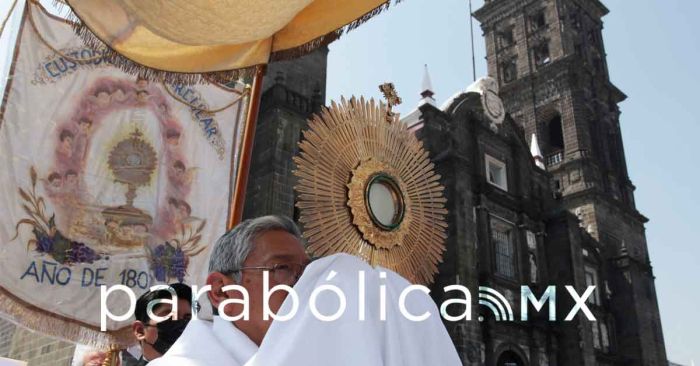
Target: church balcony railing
{"points": [[299, 101], [554, 158], [280, 94]]}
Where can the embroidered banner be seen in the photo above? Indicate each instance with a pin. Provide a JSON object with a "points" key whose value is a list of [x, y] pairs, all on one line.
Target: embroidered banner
{"points": [[106, 179]]}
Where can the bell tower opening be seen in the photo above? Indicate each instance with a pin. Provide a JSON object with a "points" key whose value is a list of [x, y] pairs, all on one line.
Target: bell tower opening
{"points": [[509, 358], [556, 134]]}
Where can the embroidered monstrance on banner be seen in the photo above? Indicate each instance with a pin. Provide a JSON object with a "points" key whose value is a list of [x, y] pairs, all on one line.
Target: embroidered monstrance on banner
{"points": [[106, 179]]}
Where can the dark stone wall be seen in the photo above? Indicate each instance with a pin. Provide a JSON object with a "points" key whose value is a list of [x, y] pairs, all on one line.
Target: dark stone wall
{"points": [[293, 90], [580, 209], [590, 177]]}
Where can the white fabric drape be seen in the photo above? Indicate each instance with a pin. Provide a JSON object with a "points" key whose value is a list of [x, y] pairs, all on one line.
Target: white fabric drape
{"points": [[348, 341]]}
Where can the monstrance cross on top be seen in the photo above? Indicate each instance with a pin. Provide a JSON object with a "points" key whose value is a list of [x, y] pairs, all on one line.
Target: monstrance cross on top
{"points": [[392, 99]]}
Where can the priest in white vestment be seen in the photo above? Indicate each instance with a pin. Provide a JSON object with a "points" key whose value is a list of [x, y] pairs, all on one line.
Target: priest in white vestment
{"points": [[317, 334]]}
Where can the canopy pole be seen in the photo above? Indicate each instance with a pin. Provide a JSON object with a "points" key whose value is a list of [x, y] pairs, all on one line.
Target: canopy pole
{"points": [[238, 202]]}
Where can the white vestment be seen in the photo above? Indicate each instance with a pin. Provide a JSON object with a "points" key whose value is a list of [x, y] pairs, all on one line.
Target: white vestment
{"points": [[207, 343], [396, 341], [306, 340]]}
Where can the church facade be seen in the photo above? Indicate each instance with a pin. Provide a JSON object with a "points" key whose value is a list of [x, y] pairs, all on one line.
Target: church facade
{"points": [[538, 191]]}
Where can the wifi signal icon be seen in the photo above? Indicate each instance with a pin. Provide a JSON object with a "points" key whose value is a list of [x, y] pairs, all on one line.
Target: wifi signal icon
{"points": [[498, 304]]}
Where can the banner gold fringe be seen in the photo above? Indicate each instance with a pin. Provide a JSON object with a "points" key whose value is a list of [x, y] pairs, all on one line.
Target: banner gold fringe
{"points": [[41, 320]]}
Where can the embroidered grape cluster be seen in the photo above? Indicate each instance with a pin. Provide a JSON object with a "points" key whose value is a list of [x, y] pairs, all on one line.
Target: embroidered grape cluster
{"points": [[168, 262], [81, 253], [64, 250], [48, 239]]}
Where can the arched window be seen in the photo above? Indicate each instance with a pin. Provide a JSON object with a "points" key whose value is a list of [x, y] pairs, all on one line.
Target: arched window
{"points": [[556, 134], [509, 358]]}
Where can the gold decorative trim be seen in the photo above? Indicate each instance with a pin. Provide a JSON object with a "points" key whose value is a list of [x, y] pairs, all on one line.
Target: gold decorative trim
{"points": [[361, 212], [345, 147], [44, 321], [220, 76]]}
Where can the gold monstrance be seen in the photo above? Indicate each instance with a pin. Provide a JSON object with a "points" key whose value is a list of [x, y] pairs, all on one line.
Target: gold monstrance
{"points": [[132, 161], [367, 187]]}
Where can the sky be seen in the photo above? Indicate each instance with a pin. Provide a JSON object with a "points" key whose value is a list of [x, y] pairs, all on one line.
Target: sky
{"points": [[653, 51]]}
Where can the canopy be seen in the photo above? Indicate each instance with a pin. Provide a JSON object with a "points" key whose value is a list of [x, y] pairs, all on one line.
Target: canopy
{"points": [[204, 36]]}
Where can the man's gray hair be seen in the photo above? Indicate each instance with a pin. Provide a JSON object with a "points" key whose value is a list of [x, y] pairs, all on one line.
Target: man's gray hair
{"points": [[232, 249]]}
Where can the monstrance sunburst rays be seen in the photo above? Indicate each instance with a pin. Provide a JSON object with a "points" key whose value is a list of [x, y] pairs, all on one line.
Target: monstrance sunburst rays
{"points": [[353, 166]]}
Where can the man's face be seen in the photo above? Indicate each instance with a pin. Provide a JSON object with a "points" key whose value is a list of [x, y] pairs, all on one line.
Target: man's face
{"points": [[271, 248], [147, 333]]}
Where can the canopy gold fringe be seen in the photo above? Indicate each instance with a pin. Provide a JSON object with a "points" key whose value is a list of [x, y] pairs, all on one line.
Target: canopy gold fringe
{"points": [[328, 38], [136, 69], [223, 76], [220, 78]]}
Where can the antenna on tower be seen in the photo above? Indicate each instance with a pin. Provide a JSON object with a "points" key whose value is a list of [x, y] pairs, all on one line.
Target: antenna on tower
{"points": [[471, 32]]}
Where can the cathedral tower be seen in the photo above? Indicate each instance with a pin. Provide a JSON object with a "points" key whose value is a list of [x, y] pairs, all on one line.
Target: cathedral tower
{"points": [[549, 60]]}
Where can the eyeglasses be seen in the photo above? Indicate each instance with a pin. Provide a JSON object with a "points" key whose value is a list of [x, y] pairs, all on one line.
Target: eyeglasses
{"points": [[284, 273]]}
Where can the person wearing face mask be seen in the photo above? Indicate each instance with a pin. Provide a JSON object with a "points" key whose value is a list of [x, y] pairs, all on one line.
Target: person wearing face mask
{"points": [[155, 338], [272, 246]]}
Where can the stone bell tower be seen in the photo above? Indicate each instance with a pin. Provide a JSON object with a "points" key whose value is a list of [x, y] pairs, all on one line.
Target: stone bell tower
{"points": [[549, 60]]}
